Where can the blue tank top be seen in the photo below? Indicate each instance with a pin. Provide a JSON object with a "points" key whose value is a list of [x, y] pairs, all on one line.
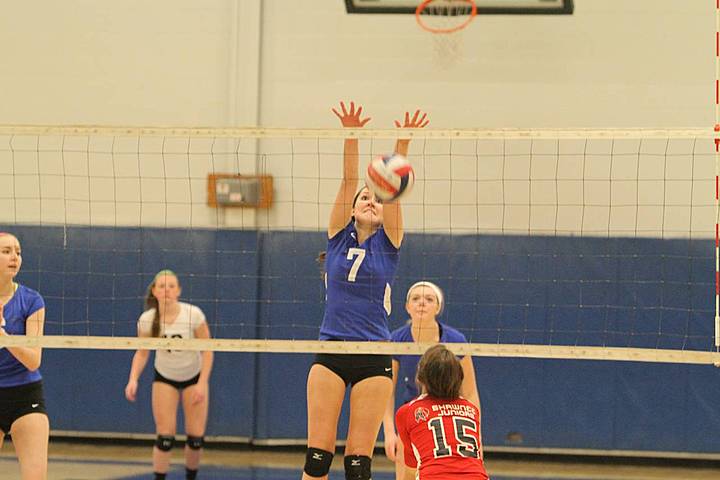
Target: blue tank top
{"points": [[358, 283], [406, 388], [21, 306]]}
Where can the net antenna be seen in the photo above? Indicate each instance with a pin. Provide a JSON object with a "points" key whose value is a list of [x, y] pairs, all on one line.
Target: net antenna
{"points": [[446, 20]]}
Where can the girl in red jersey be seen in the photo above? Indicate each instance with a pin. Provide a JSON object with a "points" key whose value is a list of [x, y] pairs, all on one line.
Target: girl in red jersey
{"points": [[440, 429]]}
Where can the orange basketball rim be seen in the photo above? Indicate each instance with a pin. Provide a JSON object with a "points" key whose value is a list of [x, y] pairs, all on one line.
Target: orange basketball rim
{"points": [[445, 16]]}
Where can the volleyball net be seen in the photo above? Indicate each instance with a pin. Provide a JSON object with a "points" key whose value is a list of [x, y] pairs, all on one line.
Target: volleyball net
{"points": [[587, 244]]}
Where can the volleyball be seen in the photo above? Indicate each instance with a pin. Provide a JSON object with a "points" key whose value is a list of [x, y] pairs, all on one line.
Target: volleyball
{"points": [[390, 177]]}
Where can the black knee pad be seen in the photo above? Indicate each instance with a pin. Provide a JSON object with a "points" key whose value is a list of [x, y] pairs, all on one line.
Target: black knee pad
{"points": [[317, 462], [357, 467], [165, 443], [195, 443]]}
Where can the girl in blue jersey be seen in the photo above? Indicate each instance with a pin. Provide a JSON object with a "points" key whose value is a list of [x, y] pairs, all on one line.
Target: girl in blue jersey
{"points": [[424, 303], [364, 237], [22, 403]]}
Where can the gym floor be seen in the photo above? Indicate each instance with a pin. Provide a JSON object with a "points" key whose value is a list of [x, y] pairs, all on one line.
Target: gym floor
{"points": [[87, 461]]}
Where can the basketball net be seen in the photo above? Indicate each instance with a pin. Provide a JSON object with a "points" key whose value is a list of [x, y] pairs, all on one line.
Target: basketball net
{"points": [[446, 20]]}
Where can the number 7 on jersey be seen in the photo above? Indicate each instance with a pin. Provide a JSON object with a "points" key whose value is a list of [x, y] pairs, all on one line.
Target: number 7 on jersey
{"points": [[352, 252]]}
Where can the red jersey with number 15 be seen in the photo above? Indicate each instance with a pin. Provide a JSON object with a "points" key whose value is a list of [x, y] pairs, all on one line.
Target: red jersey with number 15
{"points": [[441, 438]]}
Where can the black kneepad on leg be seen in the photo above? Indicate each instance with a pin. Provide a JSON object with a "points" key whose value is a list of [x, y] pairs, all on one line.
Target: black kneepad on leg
{"points": [[195, 443], [165, 442], [357, 467], [317, 462]]}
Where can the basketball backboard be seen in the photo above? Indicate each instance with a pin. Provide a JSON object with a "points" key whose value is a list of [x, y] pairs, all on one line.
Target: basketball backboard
{"points": [[484, 7]]}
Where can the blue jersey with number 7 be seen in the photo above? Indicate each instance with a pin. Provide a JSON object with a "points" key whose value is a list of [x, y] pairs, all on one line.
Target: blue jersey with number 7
{"points": [[358, 283]]}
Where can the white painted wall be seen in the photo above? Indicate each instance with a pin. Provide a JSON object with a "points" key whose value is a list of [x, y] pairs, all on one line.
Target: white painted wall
{"points": [[179, 62], [614, 63]]}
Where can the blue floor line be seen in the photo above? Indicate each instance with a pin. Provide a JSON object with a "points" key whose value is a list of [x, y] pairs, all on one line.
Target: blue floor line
{"points": [[214, 472], [259, 473]]}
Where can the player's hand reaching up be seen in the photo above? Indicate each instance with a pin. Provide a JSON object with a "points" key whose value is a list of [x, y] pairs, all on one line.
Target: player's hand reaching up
{"points": [[416, 121], [351, 118]]}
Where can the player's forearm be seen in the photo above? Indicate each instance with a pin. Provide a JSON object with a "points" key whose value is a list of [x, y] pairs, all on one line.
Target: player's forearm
{"points": [[351, 159], [207, 364], [473, 398], [393, 223], [389, 415], [409, 473], [138, 364], [388, 423], [402, 146], [30, 357]]}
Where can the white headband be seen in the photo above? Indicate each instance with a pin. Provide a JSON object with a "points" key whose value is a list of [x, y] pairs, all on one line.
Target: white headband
{"points": [[434, 288]]}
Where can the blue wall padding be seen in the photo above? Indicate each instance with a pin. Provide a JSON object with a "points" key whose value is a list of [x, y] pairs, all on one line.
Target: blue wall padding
{"points": [[638, 292]]}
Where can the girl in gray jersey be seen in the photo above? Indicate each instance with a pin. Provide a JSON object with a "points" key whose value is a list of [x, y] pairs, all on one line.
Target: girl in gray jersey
{"points": [[179, 374]]}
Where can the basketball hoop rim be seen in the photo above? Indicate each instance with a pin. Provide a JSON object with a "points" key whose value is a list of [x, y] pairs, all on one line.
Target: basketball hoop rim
{"points": [[420, 8]]}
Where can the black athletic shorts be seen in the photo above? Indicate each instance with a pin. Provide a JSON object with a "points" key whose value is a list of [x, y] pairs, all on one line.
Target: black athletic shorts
{"points": [[354, 368], [18, 401], [175, 383]]}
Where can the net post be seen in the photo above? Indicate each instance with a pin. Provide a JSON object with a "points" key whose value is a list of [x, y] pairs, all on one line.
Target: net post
{"points": [[717, 172], [717, 240]]}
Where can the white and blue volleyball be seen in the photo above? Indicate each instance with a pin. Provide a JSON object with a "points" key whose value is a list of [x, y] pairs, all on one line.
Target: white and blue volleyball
{"points": [[390, 177]]}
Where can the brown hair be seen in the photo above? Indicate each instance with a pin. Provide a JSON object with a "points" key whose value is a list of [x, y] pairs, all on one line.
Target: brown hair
{"points": [[151, 302], [321, 259], [357, 195], [440, 373]]}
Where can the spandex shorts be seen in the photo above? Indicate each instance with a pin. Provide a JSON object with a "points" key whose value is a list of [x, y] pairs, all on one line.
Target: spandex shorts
{"points": [[354, 368], [18, 401], [175, 383]]}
